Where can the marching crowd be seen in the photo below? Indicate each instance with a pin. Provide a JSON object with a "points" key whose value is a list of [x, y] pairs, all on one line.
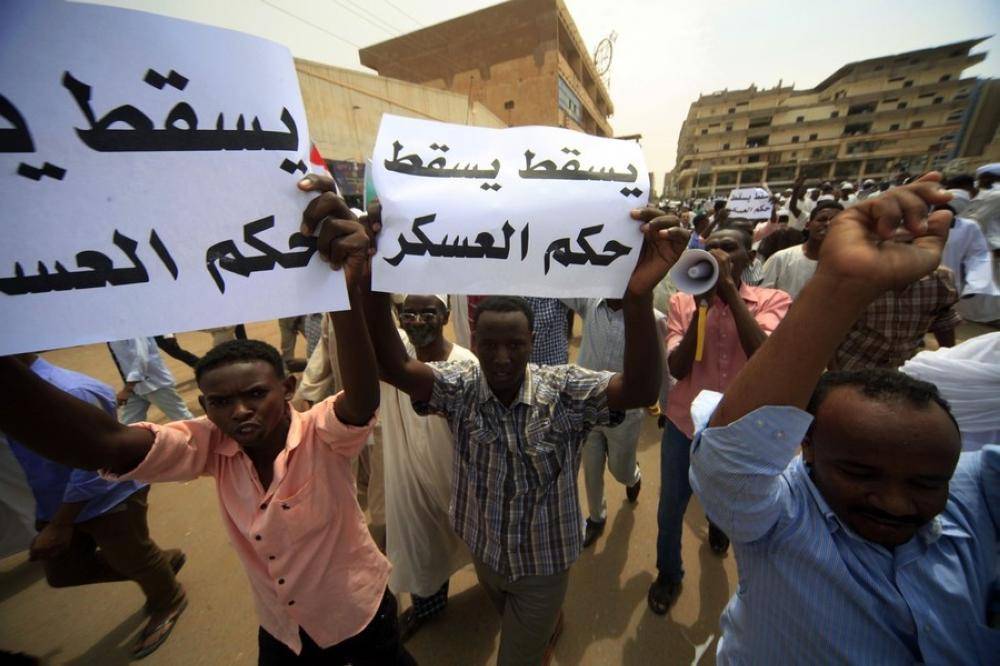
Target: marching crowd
{"points": [[855, 476]]}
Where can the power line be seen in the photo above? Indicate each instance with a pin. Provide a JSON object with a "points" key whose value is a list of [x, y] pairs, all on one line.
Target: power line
{"points": [[379, 22], [398, 9], [310, 23]]}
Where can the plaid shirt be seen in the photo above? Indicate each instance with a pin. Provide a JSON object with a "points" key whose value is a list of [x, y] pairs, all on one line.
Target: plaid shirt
{"points": [[514, 496], [892, 329], [551, 345]]}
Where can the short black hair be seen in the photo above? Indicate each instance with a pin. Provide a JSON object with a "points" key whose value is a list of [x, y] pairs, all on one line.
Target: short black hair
{"points": [[504, 304], [882, 385], [239, 351], [961, 181], [823, 205], [779, 239], [719, 204]]}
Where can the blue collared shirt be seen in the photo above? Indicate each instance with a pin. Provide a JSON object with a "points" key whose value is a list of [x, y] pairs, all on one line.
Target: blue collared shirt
{"points": [[52, 483], [139, 361], [811, 590]]}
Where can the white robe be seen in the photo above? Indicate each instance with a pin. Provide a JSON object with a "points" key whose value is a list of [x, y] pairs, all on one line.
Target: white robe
{"points": [[968, 377], [418, 452]]}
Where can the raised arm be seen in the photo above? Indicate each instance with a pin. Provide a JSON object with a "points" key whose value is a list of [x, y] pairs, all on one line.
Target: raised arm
{"points": [[344, 243], [858, 261], [393, 364], [638, 385], [793, 202], [63, 428]]}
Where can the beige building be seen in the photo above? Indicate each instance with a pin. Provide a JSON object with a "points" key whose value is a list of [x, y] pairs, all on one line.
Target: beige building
{"points": [[344, 108], [868, 119], [524, 60]]}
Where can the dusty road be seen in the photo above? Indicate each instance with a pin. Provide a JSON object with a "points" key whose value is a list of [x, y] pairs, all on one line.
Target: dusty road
{"points": [[606, 617]]}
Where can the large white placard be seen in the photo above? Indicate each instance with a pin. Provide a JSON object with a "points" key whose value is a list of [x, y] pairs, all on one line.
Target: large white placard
{"points": [[750, 203], [530, 211], [148, 171]]}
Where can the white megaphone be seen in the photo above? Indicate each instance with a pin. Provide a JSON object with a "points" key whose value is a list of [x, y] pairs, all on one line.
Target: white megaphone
{"points": [[696, 271]]}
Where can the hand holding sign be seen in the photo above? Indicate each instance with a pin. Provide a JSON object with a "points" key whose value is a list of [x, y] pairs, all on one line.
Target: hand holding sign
{"points": [[343, 241], [664, 241]]}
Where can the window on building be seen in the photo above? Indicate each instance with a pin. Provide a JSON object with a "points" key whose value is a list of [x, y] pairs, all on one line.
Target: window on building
{"points": [[764, 121], [908, 84], [800, 119], [508, 105], [946, 77], [856, 109], [893, 127], [686, 165], [725, 146], [726, 178], [795, 139], [916, 124], [731, 110], [857, 128], [704, 131], [927, 94], [901, 105], [713, 124], [957, 115], [889, 100], [813, 137], [757, 141], [754, 158], [835, 114], [938, 100], [729, 127], [896, 79]]}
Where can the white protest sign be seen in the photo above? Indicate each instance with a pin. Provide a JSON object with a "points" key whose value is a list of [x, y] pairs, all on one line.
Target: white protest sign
{"points": [[529, 211], [750, 203], [148, 171]]}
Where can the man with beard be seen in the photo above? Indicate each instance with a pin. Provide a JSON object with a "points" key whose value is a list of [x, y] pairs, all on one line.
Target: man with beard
{"points": [[417, 454]]}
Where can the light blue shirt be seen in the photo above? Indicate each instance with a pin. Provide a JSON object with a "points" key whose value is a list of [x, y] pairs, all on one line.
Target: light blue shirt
{"points": [[811, 590], [139, 361]]}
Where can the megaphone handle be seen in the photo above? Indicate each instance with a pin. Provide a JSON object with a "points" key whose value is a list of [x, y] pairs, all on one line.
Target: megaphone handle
{"points": [[699, 348]]}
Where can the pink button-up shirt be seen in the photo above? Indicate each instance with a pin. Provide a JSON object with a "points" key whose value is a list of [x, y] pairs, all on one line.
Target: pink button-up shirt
{"points": [[723, 355], [303, 541]]}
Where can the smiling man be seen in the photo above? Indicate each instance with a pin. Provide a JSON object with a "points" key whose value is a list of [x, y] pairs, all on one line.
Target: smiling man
{"points": [[518, 431], [879, 544], [283, 478]]}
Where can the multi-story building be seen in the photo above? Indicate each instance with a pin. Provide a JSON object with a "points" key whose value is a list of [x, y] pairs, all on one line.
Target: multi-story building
{"points": [[524, 60], [870, 118]]}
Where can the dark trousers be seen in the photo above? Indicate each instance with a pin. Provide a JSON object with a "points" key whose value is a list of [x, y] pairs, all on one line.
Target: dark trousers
{"points": [[425, 607], [114, 547], [378, 644]]}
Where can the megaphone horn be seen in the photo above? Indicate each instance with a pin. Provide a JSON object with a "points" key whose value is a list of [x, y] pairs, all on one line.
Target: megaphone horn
{"points": [[695, 272]]}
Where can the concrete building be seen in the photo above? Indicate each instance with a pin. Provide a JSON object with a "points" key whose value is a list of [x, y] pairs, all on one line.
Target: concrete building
{"points": [[524, 60], [868, 119], [344, 108]]}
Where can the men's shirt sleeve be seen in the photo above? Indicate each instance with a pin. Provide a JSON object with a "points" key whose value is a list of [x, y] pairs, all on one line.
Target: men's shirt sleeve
{"points": [[587, 393], [130, 359], [736, 470], [771, 310], [319, 380], [946, 317], [577, 305], [181, 451], [678, 320], [451, 380], [342, 438], [977, 266]]}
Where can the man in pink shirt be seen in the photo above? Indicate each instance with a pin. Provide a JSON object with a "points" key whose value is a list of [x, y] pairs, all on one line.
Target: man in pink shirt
{"points": [[283, 477], [739, 319]]}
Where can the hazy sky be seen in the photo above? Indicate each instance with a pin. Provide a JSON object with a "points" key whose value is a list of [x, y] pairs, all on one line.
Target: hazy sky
{"points": [[667, 52]]}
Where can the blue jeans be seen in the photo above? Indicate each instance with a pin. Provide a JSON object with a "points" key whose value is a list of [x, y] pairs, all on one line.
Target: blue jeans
{"points": [[675, 492]]}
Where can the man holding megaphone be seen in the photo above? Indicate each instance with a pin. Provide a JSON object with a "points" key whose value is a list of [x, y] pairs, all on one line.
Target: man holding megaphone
{"points": [[715, 324]]}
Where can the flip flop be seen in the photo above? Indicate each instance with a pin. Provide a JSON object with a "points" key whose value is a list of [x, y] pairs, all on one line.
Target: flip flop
{"points": [[177, 562], [166, 627]]}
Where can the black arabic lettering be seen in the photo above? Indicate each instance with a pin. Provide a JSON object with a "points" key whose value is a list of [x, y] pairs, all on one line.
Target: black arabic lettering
{"points": [[227, 256], [547, 169], [485, 244], [17, 138], [96, 270], [180, 131], [560, 250], [413, 165]]}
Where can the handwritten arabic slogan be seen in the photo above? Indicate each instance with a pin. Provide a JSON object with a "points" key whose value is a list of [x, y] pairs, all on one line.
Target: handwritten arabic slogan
{"points": [[531, 211], [750, 203], [148, 170]]}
